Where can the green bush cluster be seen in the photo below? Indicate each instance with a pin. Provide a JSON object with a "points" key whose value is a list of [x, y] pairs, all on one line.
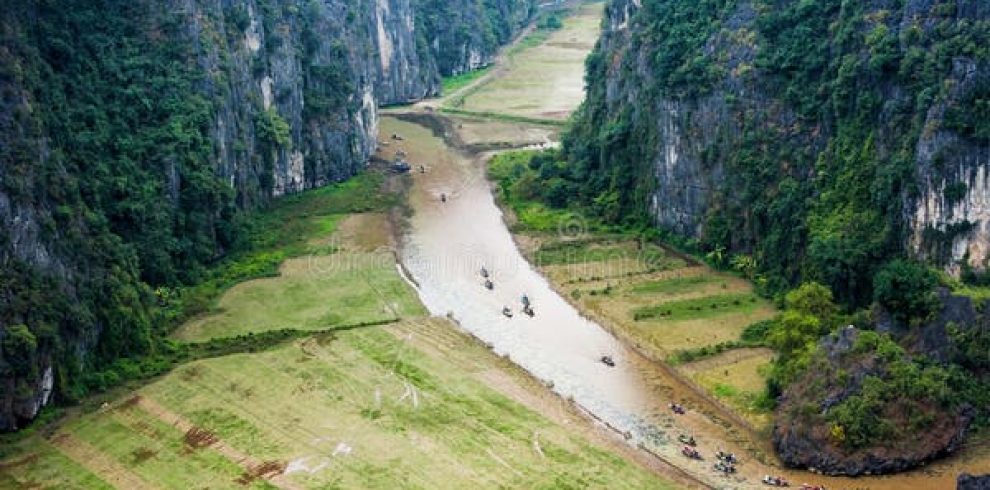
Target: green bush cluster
{"points": [[551, 22], [899, 400]]}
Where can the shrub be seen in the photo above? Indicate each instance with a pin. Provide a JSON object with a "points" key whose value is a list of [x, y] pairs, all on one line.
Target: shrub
{"points": [[906, 289]]}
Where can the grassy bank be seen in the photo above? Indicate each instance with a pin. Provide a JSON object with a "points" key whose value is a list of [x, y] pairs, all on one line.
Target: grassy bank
{"points": [[456, 82], [286, 230]]}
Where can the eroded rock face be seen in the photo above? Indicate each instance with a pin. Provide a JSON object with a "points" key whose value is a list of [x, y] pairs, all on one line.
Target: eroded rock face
{"points": [[971, 482], [803, 438], [317, 70], [690, 139]]}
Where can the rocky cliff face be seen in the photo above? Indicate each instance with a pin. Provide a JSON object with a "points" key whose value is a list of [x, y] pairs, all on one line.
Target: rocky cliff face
{"points": [[133, 134], [970, 482], [842, 372], [754, 100], [950, 216]]}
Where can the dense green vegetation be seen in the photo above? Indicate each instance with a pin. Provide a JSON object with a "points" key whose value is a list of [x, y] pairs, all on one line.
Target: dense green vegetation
{"points": [[482, 24], [454, 83], [903, 387], [887, 393], [131, 183], [127, 176], [819, 198], [115, 121]]}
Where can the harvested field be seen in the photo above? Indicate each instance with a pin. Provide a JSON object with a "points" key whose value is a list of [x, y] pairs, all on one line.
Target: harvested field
{"points": [[546, 75], [311, 293], [403, 406]]}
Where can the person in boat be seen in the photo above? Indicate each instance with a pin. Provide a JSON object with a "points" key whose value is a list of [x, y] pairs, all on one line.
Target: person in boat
{"points": [[690, 452], [727, 457], [489, 284], [608, 361], [775, 481], [484, 272], [506, 311]]}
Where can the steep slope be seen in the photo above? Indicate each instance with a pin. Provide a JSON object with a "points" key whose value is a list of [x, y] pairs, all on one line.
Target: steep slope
{"points": [[133, 136], [820, 137]]}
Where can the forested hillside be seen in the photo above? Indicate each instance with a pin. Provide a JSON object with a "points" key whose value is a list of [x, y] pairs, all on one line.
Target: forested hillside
{"points": [[843, 145], [136, 137]]}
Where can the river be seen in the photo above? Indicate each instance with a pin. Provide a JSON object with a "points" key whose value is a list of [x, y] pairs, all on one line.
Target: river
{"points": [[448, 241]]}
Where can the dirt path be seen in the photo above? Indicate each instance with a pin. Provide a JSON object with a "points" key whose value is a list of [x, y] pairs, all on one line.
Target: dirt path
{"points": [[249, 464], [98, 463]]}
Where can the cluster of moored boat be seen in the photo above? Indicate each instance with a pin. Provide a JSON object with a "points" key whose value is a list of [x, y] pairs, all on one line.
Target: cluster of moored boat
{"points": [[725, 462]]}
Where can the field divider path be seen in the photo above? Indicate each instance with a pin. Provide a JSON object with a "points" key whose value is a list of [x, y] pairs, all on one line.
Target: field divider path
{"points": [[98, 462], [243, 460]]}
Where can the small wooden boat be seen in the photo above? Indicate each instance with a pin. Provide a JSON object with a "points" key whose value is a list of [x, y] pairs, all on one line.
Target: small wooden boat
{"points": [[690, 452], [727, 457], [775, 481]]}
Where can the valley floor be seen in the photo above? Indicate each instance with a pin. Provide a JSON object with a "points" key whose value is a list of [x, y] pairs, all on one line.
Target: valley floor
{"points": [[374, 392], [410, 403]]}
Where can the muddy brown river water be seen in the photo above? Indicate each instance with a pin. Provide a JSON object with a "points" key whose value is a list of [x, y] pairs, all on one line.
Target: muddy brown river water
{"points": [[447, 243]]}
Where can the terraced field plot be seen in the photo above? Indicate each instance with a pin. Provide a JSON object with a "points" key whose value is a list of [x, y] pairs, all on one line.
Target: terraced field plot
{"points": [[667, 306], [546, 76], [36, 463], [736, 378], [312, 293]]}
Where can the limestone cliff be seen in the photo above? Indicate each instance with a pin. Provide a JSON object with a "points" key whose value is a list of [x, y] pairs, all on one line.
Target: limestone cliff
{"points": [[133, 134], [783, 130]]}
